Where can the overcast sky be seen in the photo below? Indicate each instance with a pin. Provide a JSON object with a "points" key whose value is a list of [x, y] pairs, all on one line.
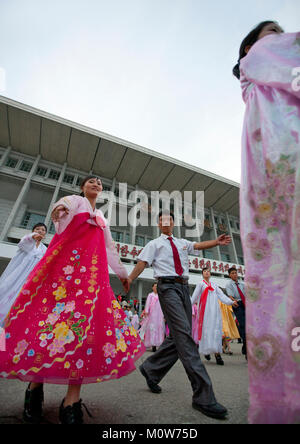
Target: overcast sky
{"points": [[154, 72]]}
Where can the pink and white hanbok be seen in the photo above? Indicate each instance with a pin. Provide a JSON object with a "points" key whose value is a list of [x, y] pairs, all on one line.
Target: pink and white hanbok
{"points": [[66, 327], [154, 330], [270, 225]]}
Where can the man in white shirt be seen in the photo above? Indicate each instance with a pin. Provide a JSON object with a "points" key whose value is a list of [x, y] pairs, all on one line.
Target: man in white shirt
{"points": [[235, 289], [169, 258]]}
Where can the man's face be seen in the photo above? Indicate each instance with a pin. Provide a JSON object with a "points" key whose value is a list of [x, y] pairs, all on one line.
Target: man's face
{"points": [[166, 223], [206, 274], [233, 275]]}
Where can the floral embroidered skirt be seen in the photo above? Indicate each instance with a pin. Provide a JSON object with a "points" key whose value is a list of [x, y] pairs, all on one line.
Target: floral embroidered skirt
{"points": [[66, 327]]}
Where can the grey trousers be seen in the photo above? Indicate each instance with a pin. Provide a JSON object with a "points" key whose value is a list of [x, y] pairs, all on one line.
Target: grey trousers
{"points": [[176, 305]]}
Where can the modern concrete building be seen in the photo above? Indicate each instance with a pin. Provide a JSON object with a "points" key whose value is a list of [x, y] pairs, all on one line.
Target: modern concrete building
{"points": [[44, 157]]}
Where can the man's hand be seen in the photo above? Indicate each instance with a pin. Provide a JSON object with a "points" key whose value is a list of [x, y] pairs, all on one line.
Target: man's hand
{"points": [[55, 216], [126, 284], [235, 304], [224, 239]]}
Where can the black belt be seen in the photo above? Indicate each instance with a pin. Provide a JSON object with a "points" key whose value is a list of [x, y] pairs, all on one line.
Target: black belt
{"points": [[173, 280]]}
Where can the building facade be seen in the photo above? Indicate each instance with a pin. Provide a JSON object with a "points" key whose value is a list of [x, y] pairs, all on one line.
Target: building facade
{"points": [[44, 157]]}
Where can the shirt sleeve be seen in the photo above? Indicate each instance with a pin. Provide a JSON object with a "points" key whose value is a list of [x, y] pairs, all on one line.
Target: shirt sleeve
{"points": [[191, 248], [221, 296], [113, 257], [229, 290], [197, 294], [27, 242], [272, 60], [71, 203], [148, 254]]}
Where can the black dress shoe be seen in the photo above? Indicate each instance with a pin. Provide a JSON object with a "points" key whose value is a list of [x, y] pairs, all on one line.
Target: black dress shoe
{"points": [[219, 360], [155, 388], [216, 410], [207, 357], [72, 414], [33, 405]]}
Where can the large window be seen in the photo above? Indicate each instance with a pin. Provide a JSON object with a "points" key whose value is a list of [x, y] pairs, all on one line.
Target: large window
{"points": [[68, 178], [26, 166], [117, 236], [30, 219], [41, 171], [11, 162], [54, 174]]}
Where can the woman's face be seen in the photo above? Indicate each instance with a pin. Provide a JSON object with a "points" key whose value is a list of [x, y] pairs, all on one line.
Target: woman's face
{"points": [[40, 230], [92, 187], [271, 28]]}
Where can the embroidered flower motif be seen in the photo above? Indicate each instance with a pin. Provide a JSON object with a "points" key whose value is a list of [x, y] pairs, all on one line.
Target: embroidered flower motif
{"points": [[57, 346], [67, 365], [89, 351], [109, 310], [121, 345], [50, 336], [41, 323], [59, 308], [70, 307], [109, 350], [133, 331], [43, 343], [82, 270], [79, 363], [31, 352], [109, 332], [69, 278], [117, 314], [116, 304], [78, 256], [68, 269], [108, 361], [21, 347], [77, 315], [74, 251], [54, 285], [16, 359], [88, 301], [69, 337], [43, 336], [61, 330], [79, 292], [77, 281], [52, 318], [72, 259], [44, 301], [60, 293], [25, 292]]}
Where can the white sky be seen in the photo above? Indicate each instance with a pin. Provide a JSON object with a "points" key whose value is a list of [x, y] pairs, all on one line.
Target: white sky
{"points": [[154, 72]]}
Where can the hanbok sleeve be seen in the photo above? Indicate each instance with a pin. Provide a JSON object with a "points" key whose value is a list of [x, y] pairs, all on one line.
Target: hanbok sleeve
{"points": [[27, 243], [71, 203], [197, 294], [113, 257], [274, 61], [148, 303], [221, 296]]}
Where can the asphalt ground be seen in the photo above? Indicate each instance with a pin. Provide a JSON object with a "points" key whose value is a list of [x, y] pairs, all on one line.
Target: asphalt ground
{"points": [[129, 401]]}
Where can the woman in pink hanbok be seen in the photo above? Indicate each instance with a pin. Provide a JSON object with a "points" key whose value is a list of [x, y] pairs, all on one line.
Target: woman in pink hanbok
{"points": [[154, 321], [66, 327], [269, 71]]}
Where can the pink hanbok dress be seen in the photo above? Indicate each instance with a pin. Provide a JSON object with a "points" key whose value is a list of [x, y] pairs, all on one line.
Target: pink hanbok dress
{"points": [[155, 325], [66, 327], [270, 225]]}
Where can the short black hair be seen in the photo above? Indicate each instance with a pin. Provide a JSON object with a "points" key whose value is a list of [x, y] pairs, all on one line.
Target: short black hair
{"points": [[40, 224], [205, 268], [231, 269], [166, 213]]}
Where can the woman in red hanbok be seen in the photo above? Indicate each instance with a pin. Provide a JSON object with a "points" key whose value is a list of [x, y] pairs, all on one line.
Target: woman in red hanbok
{"points": [[66, 327]]}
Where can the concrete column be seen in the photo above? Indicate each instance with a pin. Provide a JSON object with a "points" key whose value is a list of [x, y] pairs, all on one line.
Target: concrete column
{"points": [[232, 245], [55, 195], [133, 227], [212, 215], [111, 202], [5, 156], [19, 200]]}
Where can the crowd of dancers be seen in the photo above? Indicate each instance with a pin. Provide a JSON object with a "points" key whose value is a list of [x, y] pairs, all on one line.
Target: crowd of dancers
{"points": [[63, 324]]}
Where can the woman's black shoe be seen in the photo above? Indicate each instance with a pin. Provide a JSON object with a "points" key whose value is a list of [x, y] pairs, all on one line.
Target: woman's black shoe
{"points": [[33, 405], [72, 414], [207, 357], [154, 348], [219, 360]]}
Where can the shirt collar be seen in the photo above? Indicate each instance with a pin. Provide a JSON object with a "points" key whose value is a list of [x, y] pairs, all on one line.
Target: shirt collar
{"points": [[165, 236]]}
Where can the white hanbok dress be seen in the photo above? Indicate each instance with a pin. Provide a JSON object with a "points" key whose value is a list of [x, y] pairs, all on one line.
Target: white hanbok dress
{"points": [[211, 341], [17, 271]]}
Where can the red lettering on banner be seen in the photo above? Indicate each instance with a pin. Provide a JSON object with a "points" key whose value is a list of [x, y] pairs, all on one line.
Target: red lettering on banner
{"points": [[134, 252], [214, 266], [195, 262], [221, 267], [124, 251], [208, 265], [202, 264]]}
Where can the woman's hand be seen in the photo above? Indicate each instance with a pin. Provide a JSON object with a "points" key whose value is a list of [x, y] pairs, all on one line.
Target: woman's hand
{"points": [[55, 216], [126, 284], [38, 237]]}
